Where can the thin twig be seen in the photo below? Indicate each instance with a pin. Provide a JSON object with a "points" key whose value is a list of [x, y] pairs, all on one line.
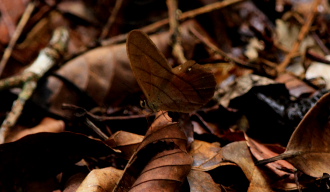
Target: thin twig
{"points": [[17, 108], [79, 111], [111, 19], [47, 59], [97, 130], [186, 15], [217, 50], [26, 16], [173, 14], [303, 32]]}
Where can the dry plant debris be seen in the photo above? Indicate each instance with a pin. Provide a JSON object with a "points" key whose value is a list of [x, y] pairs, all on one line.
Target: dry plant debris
{"points": [[164, 95]]}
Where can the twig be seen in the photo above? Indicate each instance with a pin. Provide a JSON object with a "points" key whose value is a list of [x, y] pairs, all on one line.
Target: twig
{"points": [[303, 32], [26, 16], [186, 15], [173, 14], [79, 111], [320, 43], [111, 19], [47, 58], [217, 50], [97, 130]]}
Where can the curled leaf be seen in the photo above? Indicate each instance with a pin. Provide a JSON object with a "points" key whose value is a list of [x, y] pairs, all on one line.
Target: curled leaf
{"points": [[161, 162]]}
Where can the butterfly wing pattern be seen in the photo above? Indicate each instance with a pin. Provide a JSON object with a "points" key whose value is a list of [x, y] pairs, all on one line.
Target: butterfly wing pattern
{"points": [[184, 88]]}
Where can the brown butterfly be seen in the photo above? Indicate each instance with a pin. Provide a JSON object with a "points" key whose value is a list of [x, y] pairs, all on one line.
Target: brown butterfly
{"points": [[184, 88]]}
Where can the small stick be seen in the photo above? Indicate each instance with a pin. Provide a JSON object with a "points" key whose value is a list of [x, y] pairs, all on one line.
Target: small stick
{"points": [[111, 19], [97, 130], [26, 16], [173, 14], [48, 58], [303, 32], [17, 108], [79, 112], [186, 15], [217, 50]]}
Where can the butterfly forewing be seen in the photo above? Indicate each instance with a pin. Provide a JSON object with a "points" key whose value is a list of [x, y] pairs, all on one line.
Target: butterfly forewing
{"points": [[182, 89], [149, 65]]}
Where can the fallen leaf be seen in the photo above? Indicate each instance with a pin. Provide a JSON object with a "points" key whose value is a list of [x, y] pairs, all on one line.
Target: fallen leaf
{"points": [[73, 183], [161, 162], [308, 149], [239, 153], [46, 125], [126, 142], [240, 86], [295, 86], [200, 181], [100, 180], [261, 151], [206, 155], [43, 155]]}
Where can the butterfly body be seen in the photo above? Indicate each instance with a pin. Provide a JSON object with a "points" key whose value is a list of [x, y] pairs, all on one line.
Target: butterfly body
{"points": [[184, 88]]}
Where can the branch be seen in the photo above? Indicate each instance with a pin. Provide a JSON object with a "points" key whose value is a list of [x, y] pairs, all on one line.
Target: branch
{"points": [[303, 32], [47, 59]]}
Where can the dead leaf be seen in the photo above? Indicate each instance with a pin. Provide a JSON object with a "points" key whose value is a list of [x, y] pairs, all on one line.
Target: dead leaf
{"points": [[100, 180], [126, 142], [43, 155], [240, 86], [161, 162], [308, 149], [73, 183], [239, 153], [46, 125], [261, 151], [10, 14], [295, 86], [200, 181], [206, 155]]}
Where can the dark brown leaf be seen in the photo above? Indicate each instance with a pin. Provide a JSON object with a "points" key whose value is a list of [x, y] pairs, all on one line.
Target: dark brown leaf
{"points": [[43, 155], [239, 153], [200, 181], [206, 155], [308, 149], [126, 142], [161, 162]]}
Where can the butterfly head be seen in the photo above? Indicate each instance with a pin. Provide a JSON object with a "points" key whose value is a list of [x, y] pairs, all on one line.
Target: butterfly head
{"points": [[145, 104]]}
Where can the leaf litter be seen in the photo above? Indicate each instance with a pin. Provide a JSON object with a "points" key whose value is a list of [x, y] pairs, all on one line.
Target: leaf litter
{"points": [[265, 129]]}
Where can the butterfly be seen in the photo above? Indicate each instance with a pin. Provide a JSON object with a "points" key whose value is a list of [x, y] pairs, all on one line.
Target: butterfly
{"points": [[184, 88]]}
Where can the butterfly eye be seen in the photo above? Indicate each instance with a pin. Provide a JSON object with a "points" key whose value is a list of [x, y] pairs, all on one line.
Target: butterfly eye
{"points": [[143, 103]]}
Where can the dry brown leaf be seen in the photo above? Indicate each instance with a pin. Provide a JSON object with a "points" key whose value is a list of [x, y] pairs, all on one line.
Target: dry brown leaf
{"points": [[239, 153], [10, 14], [161, 162], [207, 156], [295, 86], [103, 73], [261, 151], [200, 181], [308, 149], [126, 142], [232, 89], [38, 157], [48, 124], [100, 180], [74, 181]]}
